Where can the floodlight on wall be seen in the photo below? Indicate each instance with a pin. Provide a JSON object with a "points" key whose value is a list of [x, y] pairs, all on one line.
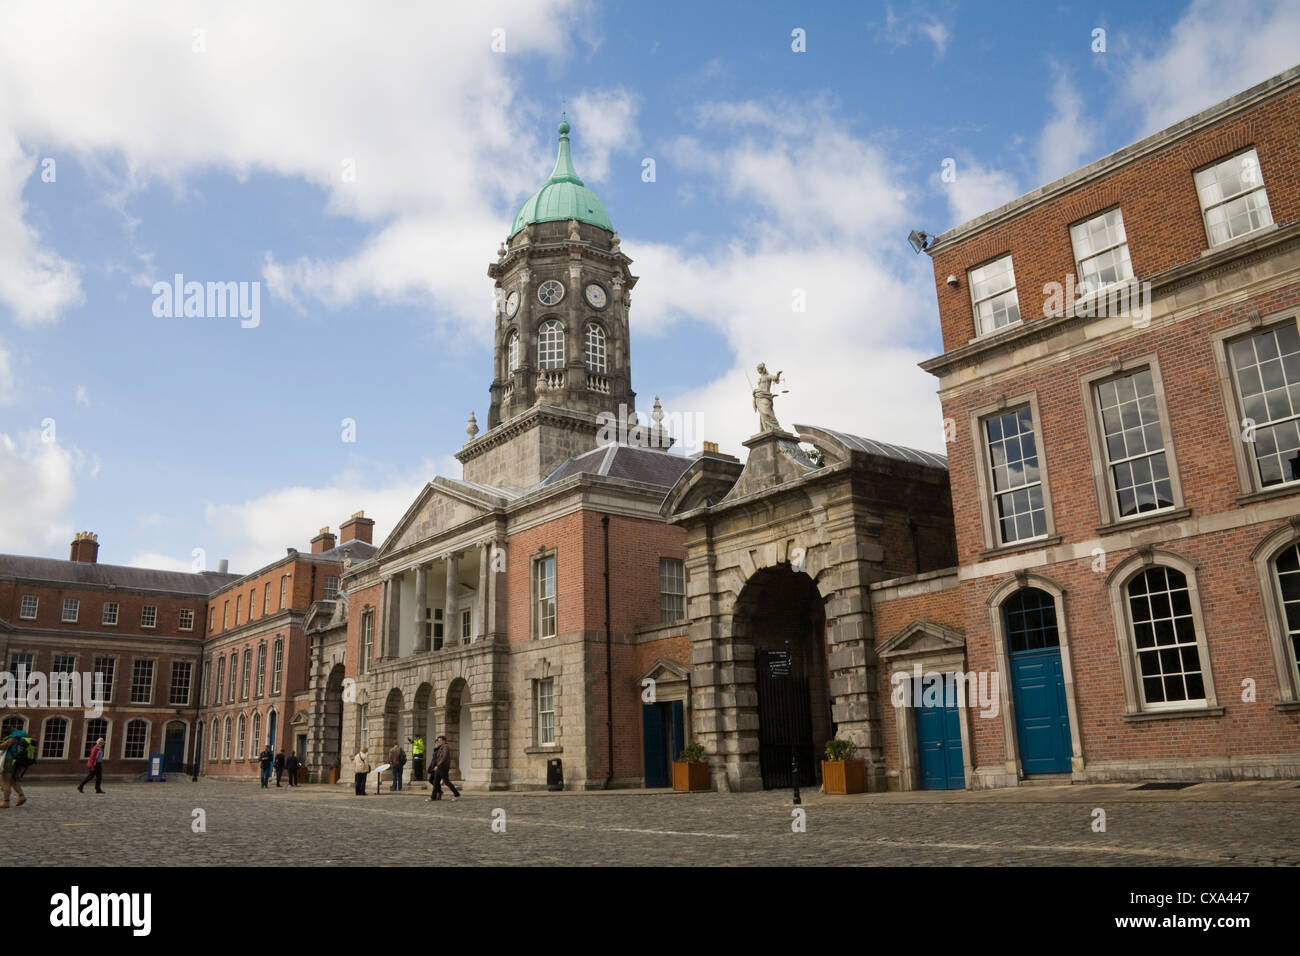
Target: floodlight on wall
{"points": [[921, 241], [952, 281]]}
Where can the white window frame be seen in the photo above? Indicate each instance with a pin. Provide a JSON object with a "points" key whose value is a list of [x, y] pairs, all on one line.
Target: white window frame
{"points": [[988, 489], [109, 676], [144, 744], [991, 298], [550, 345], [47, 738], [277, 666], [186, 624], [266, 599], [110, 613], [29, 601], [72, 605], [149, 616], [1207, 183], [153, 674], [242, 737], [540, 609], [367, 641], [259, 684], [284, 589], [1108, 494], [1082, 236], [21, 683], [672, 572], [546, 695], [331, 589], [595, 352], [246, 657], [227, 730], [512, 352], [188, 667]]}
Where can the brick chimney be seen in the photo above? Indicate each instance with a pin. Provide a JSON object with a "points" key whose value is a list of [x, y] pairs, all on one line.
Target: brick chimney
{"points": [[85, 547], [358, 528], [323, 541]]}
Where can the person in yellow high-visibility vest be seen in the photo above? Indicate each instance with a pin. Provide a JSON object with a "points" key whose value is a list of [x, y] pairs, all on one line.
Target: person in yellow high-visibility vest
{"points": [[417, 757]]}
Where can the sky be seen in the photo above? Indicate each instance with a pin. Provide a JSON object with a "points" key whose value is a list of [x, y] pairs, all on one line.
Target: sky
{"points": [[358, 164]]}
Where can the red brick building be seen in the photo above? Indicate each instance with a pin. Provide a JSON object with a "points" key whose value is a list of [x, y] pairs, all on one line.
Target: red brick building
{"points": [[1121, 389], [140, 631]]}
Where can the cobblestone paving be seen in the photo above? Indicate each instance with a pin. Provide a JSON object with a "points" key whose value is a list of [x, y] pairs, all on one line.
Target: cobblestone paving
{"points": [[148, 824]]}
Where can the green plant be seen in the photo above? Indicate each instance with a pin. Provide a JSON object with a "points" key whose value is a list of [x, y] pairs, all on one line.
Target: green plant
{"points": [[837, 750], [692, 753]]}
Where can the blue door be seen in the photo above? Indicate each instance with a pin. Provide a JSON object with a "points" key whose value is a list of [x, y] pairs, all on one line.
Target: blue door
{"points": [[1037, 682], [938, 735], [663, 733]]}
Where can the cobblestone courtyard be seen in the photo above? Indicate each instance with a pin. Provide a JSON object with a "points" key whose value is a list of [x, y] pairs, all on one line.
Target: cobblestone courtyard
{"points": [[150, 824]]}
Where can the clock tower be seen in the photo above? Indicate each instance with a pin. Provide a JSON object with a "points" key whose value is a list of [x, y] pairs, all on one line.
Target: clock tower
{"points": [[561, 352]]}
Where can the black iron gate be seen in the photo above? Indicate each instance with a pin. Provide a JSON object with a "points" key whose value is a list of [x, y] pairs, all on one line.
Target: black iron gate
{"points": [[784, 724]]}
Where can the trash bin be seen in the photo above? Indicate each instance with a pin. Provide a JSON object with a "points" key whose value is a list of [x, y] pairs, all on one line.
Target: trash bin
{"points": [[417, 767], [555, 774], [334, 774]]}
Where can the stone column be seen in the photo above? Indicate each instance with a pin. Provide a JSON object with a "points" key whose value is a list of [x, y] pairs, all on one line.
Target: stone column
{"points": [[420, 610], [393, 639], [450, 623], [380, 648], [484, 583]]}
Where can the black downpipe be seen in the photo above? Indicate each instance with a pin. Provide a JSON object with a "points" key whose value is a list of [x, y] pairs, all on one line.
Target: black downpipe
{"points": [[916, 544], [609, 678]]}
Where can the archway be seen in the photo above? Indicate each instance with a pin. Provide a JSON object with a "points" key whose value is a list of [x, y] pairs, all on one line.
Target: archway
{"points": [[332, 737], [781, 610], [423, 724], [174, 746], [392, 721], [459, 728]]}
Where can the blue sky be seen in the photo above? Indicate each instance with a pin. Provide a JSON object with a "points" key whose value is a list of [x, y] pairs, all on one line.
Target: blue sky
{"points": [[210, 140]]}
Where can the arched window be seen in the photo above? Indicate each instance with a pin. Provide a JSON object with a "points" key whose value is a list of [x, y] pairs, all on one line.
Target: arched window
{"points": [[94, 730], [54, 738], [214, 731], [137, 740], [11, 723], [243, 736], [1286, 573], [512, 352], [259, 688], [234, 674], [595, 348], [255, 741], [1164, 636], [248, 668], [550, 345], [1030, 616], [225, 746], [221, 681]]}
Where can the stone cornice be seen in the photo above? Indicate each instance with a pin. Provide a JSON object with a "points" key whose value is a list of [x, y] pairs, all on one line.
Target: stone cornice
{"points": [[517, 425]]}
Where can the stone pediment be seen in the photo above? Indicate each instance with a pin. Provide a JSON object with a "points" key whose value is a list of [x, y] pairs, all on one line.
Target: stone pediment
{"points": [[922, 638], [442, 505], [664, 671]]}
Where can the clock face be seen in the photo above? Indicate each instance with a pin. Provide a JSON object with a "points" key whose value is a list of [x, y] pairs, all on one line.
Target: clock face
{"points": [[512, 303], [550, 292], [596, 297]]}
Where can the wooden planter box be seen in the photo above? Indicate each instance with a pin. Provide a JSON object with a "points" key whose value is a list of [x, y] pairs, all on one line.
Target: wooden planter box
{"points": [[844, 776], [691, 776]]}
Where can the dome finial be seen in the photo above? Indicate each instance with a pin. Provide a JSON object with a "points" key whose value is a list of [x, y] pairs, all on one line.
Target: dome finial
{"points": [[564, 123]]}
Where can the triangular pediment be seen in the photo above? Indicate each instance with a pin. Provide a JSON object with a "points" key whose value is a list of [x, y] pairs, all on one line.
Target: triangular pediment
{"points": [[444, 504], [665, 671], [922, 637]]}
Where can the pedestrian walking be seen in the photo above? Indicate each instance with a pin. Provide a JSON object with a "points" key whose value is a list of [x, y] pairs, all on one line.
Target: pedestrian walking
{"points": [[397, 763], [96, 765], [441, 768], [279, 767], [15, 748], [291, 766], [361, 767], [266, 758]]}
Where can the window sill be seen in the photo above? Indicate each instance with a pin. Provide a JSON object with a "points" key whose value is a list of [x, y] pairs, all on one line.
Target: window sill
{"points": [[1018, 546], [1287, 706], [1144, 520], [545, 749], [1276, 491], [1241, 240], [1174, 714], [986, 336]]}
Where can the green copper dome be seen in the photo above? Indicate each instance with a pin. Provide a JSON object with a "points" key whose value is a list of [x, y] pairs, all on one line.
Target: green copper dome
{"points": [[563, 196]]}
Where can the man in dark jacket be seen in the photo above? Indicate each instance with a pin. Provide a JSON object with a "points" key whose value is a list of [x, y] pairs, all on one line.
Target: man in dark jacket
{"points": [[441, 768], [291, 767], [279, 767], [266, 758]]}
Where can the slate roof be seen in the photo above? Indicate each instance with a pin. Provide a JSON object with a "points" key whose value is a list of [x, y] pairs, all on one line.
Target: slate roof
{"points": [[628, 462], [103, 575], [873, 447]]}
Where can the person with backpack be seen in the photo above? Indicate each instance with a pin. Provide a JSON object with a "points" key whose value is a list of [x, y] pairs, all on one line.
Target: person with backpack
{"points": [[266, 759], [26, 756], [15, 748], [279, 767], [96, 765], [397, 761]]}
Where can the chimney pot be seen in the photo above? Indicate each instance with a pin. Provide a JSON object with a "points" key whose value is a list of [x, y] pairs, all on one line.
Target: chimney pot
{"points": [[85, 548]]}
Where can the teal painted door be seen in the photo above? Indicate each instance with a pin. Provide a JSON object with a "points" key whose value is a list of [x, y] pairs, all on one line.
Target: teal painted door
{"points": [[938, 735], [1037, 682]]}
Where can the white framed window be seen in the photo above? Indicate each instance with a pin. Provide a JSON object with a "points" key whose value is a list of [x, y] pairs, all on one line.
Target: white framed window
{"points": [[54, 738], [993, 295], [546, 712], [512, 352], [550, 292], [331, 588], [239, 607], [225, 745], [234, 677], [255, 736], [1232, 196], [225, 615], [550, 345], [105, 666], [61, 680], [595, 348], [466, 626], [1101, 251], [109, 616], [252, 602], [71, 609], [1017, 487], [142, 682], [1266, 374], [182, 673], [27, 607], [137, 740], [367, 639], [243, 737], [248, 671], [20, 666], [1164, 635], [205, 690], [220, 681], [266, 599], [544, 596], [363, 726], [11, 723], [94, 729], [1286, 578], [212, 619], [277, 666], [284, 590], [259, 686], [187, 619], [149, 616], [1133, 439], [672, 590]]}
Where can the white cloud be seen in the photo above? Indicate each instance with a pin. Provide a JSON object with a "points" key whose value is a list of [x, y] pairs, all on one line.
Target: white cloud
{"points": [[604, 122], [81, 395], [8, 392], [1067, 141], [159, 561], [39, 480], [1214, 51], [976, 190], [899, 31]]}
